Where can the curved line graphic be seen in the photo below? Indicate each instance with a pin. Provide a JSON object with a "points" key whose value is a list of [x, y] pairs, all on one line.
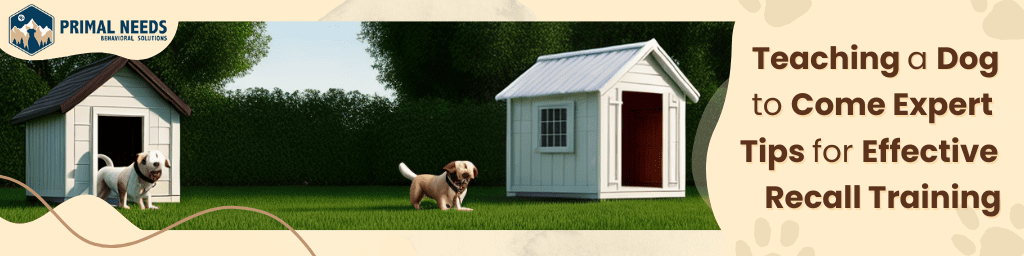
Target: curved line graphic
{"points": [[86, 240]]}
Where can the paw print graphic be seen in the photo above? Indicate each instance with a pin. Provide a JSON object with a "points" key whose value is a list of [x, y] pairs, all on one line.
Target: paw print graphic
{"points": [[1003, 21], [763, 235], [778, 12], [994, 240]]}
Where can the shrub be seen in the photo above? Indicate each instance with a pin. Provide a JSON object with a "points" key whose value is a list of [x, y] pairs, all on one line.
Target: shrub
{"points": [[262, 137]]}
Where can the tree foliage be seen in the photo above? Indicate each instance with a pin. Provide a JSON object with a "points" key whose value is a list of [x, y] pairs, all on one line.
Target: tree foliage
{"points": [[211, 54], [476, 60], [457, 61]]}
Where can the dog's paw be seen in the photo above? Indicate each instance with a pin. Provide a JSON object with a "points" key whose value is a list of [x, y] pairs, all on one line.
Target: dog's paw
{"points": [[465, 209], [153, 207], [125, 207]]}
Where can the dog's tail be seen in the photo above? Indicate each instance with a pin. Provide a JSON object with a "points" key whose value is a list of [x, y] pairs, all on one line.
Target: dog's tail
{"points": [[406, 172], [106, 159]]}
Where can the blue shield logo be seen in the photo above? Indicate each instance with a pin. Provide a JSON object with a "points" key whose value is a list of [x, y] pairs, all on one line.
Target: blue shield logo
{"points": [[31, 30]]}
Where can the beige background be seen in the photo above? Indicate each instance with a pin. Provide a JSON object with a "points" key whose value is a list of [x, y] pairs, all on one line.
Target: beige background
{"points": [[874, 26], [786, 26]]}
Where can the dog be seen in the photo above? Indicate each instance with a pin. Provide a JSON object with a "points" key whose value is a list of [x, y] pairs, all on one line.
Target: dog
{"points": [[448, 189], [132, 183]]}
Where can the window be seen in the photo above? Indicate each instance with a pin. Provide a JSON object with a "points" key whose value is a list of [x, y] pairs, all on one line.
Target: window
{"points": [[554, 129]]}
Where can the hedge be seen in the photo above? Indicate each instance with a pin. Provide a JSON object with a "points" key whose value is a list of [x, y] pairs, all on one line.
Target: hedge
{"points": [[19, 88], [259, 137]]}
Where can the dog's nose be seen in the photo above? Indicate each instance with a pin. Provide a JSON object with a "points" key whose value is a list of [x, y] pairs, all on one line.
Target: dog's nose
{"points": [[465, 175], [156, 164]]}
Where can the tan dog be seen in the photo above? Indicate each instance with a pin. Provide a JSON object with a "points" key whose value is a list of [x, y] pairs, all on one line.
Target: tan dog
{"points": [[448, 189], [132, 183]]}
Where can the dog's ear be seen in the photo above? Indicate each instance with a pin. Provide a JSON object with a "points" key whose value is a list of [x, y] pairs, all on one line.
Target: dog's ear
{"points": [[450, 168], [476, 172], [167, 163], [141, 158]]}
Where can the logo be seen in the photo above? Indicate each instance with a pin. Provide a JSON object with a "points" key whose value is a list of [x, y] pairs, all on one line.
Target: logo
{"points": [[31, 30]]}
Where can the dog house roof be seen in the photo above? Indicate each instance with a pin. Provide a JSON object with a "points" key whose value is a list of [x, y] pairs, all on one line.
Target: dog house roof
{"points": [[590, 71], [85, 80]]}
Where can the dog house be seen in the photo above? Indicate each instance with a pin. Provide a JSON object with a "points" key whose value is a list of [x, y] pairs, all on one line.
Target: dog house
{"points": [[599, 123], [113, 106]]}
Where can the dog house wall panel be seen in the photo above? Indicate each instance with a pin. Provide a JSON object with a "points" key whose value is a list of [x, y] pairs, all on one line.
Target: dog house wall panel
{"points": [[594, 80], [553, 172], [647, 76], [45, 156], [79, 178]]}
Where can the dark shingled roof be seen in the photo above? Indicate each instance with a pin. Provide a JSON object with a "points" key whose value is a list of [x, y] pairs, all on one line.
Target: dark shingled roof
{"points": [[84, 81]]}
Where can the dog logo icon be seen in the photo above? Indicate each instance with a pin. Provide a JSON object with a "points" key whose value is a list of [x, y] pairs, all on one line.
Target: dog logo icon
{"points": [[31, 30]]}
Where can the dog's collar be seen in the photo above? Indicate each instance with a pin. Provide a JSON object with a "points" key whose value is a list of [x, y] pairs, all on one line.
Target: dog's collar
{"points": [[141, 176], [451, 184]]}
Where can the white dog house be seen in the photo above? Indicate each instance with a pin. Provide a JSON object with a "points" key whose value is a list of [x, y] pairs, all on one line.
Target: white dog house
{"points": [[113, 106], [599, 123]]}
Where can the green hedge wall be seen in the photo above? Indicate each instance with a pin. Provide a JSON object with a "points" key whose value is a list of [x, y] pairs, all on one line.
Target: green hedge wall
{"points": [[262, 137], [19, 87]]}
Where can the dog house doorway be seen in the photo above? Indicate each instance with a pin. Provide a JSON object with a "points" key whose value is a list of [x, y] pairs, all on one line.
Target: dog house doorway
{"points": [[120, 138], [642, 139]]}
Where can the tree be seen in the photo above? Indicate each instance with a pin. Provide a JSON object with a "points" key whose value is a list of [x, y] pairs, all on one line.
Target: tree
{"points": [[53, 71], [209, 55], [457, 61], [476, 60]]}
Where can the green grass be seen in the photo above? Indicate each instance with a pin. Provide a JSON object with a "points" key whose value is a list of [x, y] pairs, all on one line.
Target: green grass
{"points": [[363, 208]]}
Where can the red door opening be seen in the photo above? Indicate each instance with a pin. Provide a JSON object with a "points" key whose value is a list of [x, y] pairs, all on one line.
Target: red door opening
{"points": [[641, 139]]}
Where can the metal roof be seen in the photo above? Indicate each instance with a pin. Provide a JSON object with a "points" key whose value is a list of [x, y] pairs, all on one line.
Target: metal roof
{"points": [[85, 80], [589, 71]]}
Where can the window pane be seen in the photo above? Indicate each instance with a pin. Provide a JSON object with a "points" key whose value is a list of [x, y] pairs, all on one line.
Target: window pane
{"points": [[562, 127], [543, 128], [556, 130], [551, 127], [543, 141], [551, 140], [561, 114], [543, 114], [561, 140]]}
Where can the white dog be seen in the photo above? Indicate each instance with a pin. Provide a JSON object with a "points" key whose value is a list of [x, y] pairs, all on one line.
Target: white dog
{"points": [[132, 183]]}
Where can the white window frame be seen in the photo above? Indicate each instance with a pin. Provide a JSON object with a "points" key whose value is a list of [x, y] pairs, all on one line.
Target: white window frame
{"points": [[570, 121]]}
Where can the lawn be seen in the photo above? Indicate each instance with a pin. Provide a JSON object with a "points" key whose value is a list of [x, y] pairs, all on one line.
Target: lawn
{"points": [[364, 208]]}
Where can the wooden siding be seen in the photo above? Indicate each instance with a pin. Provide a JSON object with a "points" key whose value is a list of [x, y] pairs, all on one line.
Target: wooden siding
{"points": [[44, 144], [128, 92], [175, 156], [646, 76], [79, 155], [533, 171], [647, 72]]}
